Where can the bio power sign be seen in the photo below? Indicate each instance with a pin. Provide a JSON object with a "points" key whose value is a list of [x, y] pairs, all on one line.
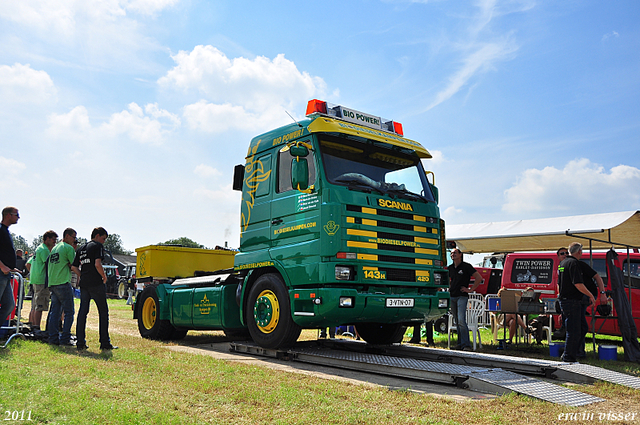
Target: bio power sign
{"points": [[357, 117]]}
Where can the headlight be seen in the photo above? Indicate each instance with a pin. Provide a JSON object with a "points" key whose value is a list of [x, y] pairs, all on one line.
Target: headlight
{"points": [[343, 273], [443, 303], [346, 302], [437, 278]]}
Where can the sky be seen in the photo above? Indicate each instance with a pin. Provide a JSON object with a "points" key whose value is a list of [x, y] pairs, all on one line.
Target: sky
{"points": [[131, 114]]}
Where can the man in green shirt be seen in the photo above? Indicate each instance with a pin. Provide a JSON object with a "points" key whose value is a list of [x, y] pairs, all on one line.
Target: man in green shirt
{"points": [[60, 260], [40, 300]]}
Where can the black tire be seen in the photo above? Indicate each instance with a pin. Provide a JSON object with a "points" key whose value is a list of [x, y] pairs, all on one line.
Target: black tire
{"points": [[441, 325], [268, 313], [381, 334], [149, 325], [179, 333]]}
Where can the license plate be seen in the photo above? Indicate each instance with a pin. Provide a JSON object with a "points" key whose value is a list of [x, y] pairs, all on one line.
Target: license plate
{"points": [[400, 302]]}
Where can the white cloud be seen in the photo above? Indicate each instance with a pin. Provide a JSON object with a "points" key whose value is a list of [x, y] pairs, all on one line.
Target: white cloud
{"points": [[74, 123], [9, 178], [152, 128], [11, 166], [203, 170], [66, 17], [451, 212], [238, 92], [609, 35], [437, 158], [480, 55], [482, 59], [139, 127], [22, 84], [581, 185], [214, 118], [89, 34], [148, 7]]}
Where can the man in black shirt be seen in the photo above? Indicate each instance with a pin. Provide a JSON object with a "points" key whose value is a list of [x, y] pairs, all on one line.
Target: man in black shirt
{"points": [[460, 274], [88, 263], [10, 216], [573, 294]]}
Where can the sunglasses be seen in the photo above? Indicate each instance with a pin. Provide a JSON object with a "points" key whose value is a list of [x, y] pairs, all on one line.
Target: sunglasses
{"points": [[563, 253]]}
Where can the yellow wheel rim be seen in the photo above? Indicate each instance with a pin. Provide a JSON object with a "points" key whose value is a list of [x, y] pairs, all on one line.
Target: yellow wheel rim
{"points": [[266, 311], [149, 312]]}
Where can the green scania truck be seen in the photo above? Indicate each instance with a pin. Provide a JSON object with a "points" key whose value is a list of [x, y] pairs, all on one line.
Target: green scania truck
{"points": [[340, 225]]}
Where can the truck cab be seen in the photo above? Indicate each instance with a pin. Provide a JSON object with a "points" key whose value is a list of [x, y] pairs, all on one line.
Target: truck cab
{"points": [[340, 220]]}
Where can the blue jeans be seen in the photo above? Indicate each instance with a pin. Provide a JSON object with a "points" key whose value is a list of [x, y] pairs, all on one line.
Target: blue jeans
{"points": [[99, 295], [7, 303], [574, 315], [61, 300], [459, 311]]}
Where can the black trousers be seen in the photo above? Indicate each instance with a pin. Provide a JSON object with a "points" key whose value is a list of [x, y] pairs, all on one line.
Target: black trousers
{"points": [[99, 295]]}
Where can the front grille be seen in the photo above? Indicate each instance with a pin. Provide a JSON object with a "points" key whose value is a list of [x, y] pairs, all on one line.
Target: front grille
{"points": [[394, 225], [395, 214], [394, 259], [396, 236], [398, 248], [401, 275]]}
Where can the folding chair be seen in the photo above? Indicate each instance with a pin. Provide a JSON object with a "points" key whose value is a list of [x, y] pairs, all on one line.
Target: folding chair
{"points": [[475, 310]]}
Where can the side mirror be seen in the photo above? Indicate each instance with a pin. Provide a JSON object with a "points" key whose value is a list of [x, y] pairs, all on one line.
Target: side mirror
{"points": [[436, 195], [238, 177], [299, 151], [299, 173]]}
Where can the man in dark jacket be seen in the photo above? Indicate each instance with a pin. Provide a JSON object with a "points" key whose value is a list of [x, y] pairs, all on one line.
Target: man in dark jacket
{"points": [[573, 294]]}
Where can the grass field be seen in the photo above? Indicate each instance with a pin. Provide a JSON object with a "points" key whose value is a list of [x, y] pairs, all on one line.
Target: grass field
{"points": [[145, 383]]}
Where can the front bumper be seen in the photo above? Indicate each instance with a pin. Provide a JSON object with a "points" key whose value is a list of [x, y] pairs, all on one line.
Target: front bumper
{"points": [[315, 308]]}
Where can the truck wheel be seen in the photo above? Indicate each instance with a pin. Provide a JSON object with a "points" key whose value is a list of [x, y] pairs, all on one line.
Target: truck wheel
{"points": [[122, 290], [179, 333], [378, 333], [268, 313], [149, 325], [441, 325]]}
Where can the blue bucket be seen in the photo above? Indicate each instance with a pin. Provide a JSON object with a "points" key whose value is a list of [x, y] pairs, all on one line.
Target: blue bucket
{"points": [[608, 352], [556, 349]]}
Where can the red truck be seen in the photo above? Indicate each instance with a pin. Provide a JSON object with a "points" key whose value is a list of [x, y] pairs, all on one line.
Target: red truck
{"points": [[540, 272]]}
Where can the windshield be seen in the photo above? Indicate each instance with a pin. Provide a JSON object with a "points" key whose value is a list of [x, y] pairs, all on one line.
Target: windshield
{"points": [[373, 168]]}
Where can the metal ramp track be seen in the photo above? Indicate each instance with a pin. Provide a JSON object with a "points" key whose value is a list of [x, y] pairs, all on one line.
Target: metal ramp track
{"points": [[488, 380], [573, 372], [568, 370]]}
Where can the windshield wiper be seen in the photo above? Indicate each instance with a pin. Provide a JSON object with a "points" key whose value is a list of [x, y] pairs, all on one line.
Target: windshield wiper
{"points": [[407, 193], [354, 179]]}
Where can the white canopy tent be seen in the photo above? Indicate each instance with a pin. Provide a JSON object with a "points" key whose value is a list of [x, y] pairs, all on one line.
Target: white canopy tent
{"points": [[621, 229]]}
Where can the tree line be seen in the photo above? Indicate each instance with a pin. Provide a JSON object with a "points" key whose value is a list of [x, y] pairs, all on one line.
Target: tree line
{"points": [[113, 243]]}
